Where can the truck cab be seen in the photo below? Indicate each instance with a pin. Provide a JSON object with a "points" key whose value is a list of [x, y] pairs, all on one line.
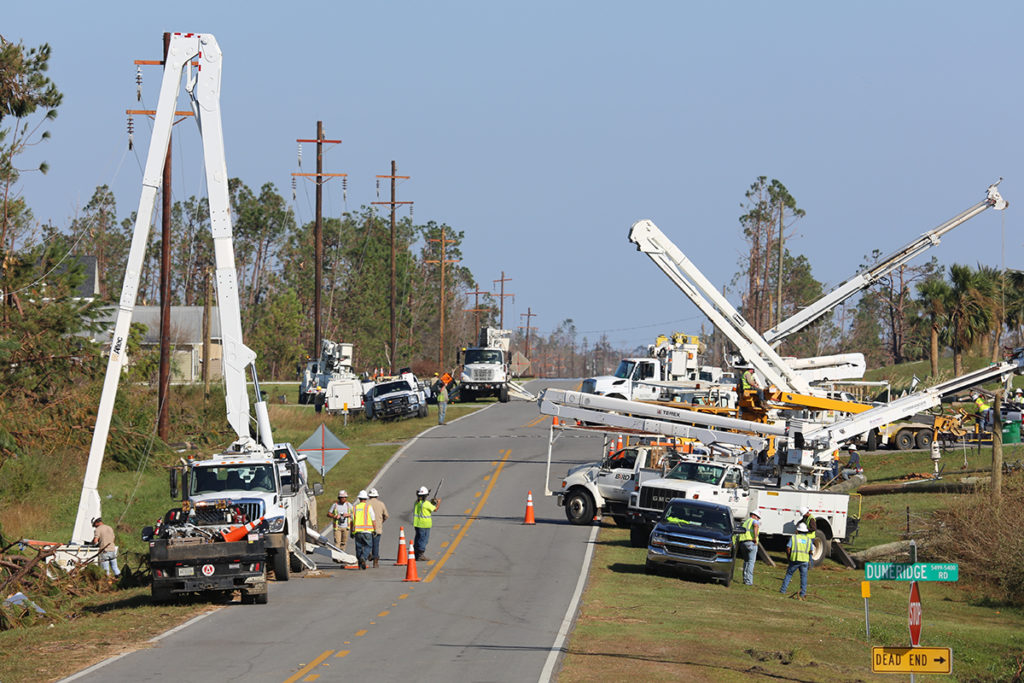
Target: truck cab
{"points": [[627, 380], [484, 373], [395, 398]]}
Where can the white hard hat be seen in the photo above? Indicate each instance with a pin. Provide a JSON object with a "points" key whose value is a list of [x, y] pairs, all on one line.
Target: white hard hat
{"points": [[363, 495], [804, 511], [373, 493], [851, 447], [422, 491], [801, 527], [755, 513], [343, 494]]}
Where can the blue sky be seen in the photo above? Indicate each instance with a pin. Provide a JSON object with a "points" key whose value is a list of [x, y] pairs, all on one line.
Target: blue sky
{"points": [[544, 130]]}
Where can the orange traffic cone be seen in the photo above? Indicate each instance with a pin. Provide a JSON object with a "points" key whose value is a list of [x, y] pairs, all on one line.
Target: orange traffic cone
{"points": [[618, 444], [554, 421], [403, 554], [529, 509], [240, 532], [410, 568]]}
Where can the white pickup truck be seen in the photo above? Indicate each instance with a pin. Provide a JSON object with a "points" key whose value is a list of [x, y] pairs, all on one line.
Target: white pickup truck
{"points": [[702, 478], [605, 486]]}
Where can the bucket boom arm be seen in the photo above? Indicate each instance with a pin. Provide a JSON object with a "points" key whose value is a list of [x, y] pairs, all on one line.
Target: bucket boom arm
{"points": [[204, 90]]}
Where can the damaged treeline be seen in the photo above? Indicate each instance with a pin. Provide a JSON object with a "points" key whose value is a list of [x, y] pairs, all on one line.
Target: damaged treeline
{"points": [[983, 535]]}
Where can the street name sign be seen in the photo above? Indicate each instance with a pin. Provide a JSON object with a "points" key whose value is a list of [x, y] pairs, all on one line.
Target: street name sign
{"points": [[911, 660], [918, 571]]}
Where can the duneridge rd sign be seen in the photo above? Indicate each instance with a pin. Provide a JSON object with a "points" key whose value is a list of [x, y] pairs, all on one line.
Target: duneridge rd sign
{"points": [[919, 571]]}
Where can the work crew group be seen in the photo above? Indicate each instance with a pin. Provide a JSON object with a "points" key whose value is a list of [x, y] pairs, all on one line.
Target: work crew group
{"points": [[798, 549], [365, 519]]}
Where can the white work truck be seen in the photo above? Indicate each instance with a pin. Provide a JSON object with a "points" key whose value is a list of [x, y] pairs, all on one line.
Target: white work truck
{"points": [[485, 367], [330, 382], [705, 478], [605, 486]]}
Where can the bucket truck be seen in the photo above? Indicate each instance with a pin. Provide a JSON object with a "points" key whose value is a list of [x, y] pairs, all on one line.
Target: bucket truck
{"points": [[245, 508], [329, 381]]}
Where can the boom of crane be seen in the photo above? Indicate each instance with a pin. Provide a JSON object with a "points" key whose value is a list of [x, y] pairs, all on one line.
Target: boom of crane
{"points": [[691, 281], [203, 87], [822, 439], [871, 275]]}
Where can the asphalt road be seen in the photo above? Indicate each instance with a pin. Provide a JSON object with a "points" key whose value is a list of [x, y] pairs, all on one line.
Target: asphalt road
{"points": [[490, 602]]}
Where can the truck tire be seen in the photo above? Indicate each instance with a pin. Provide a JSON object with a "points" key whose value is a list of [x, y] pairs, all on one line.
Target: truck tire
{"points": [[924, 439], [281, 565], [466, 395], [260, 598], [872, 440], [821, 548], [293, 561], [579, 507], [423, 410], [303, 398], [904, 440], [651, 568], [639, 535], [503, 394]]}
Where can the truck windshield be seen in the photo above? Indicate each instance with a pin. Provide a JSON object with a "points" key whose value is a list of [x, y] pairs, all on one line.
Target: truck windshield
{"points": [[483, 356], [233, 478], [625, 369], [390, 387], [684, 514], [703, 472]]}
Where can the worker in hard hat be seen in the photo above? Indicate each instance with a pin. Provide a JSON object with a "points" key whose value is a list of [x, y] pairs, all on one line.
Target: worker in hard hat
{"points": [[984, 409], [853, 463], [748, 381], [442, 403], [341, 514], [422, 521], [362, 528], [808, 519], [799, 549], [380, 515], [748, 542]]}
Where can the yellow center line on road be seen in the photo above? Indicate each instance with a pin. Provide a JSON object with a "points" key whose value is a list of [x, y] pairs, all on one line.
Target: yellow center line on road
{"points": [[309, 667], [469, 522], [342, 653], [537, 421]]}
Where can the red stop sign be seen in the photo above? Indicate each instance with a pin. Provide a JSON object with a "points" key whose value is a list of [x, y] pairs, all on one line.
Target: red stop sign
{"points": [[914, 614]]}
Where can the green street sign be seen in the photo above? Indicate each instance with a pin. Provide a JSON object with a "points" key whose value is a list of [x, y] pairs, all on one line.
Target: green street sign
{"points": [[918, 571]]}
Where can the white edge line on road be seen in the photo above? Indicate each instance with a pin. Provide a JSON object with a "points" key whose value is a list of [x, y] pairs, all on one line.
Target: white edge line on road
{"points": [[570, 613], [188, 623], [111, 660]]}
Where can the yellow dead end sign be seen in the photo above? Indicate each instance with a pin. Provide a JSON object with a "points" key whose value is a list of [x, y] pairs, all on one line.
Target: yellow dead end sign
{"points": [[911, 660]]}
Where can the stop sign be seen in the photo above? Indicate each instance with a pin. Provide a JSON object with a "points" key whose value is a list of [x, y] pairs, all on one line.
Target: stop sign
{"points": [[915, 615]]}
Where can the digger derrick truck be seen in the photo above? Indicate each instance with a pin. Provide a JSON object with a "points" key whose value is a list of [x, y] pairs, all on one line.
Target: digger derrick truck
{"points": [[485, 367], [226, 536], [330, 381]]}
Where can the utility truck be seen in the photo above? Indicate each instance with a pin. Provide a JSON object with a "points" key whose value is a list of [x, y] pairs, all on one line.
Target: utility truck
{"points": [[392, 398], [485, 367], [249, 506], [671, 371], [330, 382], [604, 486]]}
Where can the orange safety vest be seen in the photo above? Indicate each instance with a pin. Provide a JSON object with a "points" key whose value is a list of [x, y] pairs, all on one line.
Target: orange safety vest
{"points": [[361, 522]]}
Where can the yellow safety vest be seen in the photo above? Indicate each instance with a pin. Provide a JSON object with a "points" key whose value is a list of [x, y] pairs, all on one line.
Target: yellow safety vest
{"points": [[980, 402], [749, 531], [677, 520], [421, 514], [361, 518], [746, 383], [800, 551]]}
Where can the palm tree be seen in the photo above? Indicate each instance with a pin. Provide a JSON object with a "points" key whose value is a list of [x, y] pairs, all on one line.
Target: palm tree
{"points": [[993, 285], [1015, 303], [934, 294], [969, 310]]}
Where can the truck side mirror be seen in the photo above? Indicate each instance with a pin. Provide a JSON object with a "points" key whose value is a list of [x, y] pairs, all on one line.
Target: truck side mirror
{"points": [[293, 469], [318, 489], [174, 484]]}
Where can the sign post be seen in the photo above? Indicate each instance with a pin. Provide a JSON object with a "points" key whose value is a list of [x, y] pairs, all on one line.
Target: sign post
{"points": [[865, 591]]}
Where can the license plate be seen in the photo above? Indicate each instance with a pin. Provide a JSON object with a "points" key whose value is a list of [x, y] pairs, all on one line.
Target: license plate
{"points": [[186, 571]]}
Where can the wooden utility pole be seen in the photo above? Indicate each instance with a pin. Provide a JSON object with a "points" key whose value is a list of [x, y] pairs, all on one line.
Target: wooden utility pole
{"points": [[394, 307], [164, 382], [476, 311], [501, 298], [529, 314], [442, 261], [164, 371], [318, 228]]}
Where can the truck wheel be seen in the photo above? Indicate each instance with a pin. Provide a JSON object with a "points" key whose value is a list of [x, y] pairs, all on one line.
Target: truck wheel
{"points": [[924, 439], [638, 536], [466, 396], [281, 565], [873, 440], [303, 398], [579, 508], [820, 548], [651, 568], [904, 440], [503, 394], [260, 598], [423, 410], [297, 566]]}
